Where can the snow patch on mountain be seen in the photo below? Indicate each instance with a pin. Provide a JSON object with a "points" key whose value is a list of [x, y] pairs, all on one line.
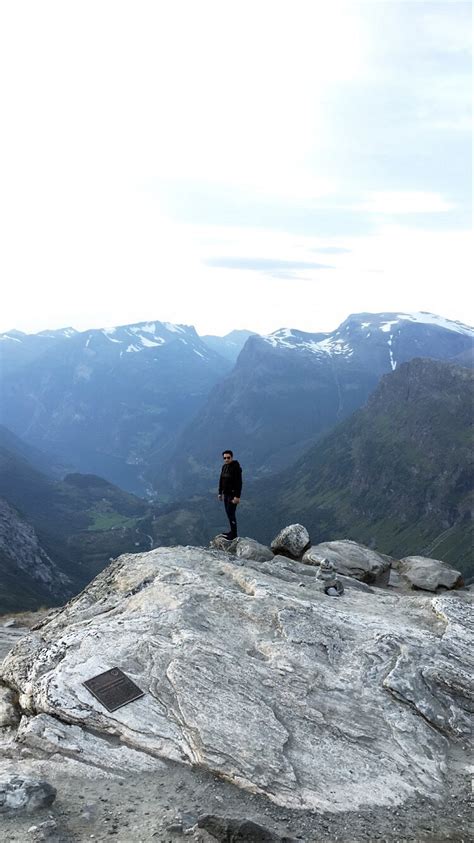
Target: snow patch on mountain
{"points": [[150, 343], [421, 317], [8, 337], [393, 362], [387, 326], [287, 338], [111, 339]]}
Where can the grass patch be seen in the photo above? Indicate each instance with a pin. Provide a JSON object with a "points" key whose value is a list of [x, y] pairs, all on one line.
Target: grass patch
{"points": [[109, 521]]}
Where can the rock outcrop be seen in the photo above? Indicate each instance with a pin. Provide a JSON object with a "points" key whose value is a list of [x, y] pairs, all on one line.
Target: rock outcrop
{"points": [[353, 560], [429, 574], [250, 671]]}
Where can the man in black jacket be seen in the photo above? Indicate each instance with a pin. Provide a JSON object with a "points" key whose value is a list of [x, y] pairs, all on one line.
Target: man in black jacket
{"points": [[230, 487]]}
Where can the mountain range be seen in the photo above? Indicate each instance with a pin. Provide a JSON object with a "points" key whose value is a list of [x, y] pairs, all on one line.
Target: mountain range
{"points": [[150, 406], [154, 404], [106, 401], [289, 388]]}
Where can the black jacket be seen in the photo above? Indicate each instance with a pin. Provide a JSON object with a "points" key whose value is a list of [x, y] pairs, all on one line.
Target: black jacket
{"points": [[230, 481]]}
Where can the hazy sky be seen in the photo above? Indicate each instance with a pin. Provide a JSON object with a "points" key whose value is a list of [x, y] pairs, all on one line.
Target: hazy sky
{"points": [[233, 164]]}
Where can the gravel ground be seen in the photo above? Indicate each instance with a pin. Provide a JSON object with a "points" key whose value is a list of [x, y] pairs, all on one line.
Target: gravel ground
{"points": [[163, 806]]}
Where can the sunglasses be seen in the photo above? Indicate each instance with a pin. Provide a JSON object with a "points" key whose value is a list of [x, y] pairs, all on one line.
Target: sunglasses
{"points": [[227, 458]]}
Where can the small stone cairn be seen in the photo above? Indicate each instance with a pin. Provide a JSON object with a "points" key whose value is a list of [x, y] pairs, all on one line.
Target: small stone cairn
{"points": [[328, 575]]}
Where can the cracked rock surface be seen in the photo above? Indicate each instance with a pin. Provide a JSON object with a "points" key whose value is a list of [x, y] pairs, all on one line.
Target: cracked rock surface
{"points": [[312, 703]]}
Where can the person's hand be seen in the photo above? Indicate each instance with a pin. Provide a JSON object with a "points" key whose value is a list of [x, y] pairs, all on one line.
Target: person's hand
{"points": [[219, 497], [235, 500]]}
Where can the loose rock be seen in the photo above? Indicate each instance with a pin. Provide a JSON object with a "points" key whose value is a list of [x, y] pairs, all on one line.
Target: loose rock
{"points": [[20, 792], [292, 541], [245, 548], [230, 830], [353, 560], [429, 574]]}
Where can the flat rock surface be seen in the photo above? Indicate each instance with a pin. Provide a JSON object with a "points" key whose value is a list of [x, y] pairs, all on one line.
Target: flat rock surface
{"points": [[345, 708]]}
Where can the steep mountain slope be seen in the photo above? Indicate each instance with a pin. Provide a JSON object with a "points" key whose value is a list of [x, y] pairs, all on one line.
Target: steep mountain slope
{"points": [[46, 463], [289, 388], [28, 577], [106, 401], [397, 475], [230, 345], [78, 523]]}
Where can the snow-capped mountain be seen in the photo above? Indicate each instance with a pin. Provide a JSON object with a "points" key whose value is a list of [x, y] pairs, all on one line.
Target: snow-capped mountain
{"points": [[106, 400], [383, 329], [290, 387], [150, 406]]}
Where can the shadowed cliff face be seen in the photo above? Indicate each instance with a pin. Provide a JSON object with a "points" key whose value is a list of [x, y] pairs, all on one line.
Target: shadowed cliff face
{"points": [[250, 671], [27, 574]]}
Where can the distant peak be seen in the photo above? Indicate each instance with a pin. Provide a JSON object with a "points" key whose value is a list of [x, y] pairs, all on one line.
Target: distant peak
{"points": [[386, 321]]}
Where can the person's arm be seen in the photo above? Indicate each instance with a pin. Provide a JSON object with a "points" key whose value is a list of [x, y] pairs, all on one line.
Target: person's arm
{"points": [[219, 494], [237, 485]]}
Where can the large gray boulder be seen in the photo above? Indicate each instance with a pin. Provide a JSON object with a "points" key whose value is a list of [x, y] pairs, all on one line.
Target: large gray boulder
{"points": [[245, 548], [25, 793], [316, 703], [292, 541], [429, 574], [353, 560]]}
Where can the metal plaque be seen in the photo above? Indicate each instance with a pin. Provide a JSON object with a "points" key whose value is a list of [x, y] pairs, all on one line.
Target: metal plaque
{"points": [[113, 689]]}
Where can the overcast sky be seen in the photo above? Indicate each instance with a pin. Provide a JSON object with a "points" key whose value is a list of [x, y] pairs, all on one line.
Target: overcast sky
{"points": [[234, 164]]}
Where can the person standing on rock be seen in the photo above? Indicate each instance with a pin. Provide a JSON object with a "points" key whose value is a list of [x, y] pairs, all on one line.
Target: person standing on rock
{"points": [[230, 488]]}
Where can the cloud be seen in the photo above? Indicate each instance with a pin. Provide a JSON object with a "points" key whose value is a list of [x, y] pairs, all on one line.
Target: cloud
{"points": [[406, 202], [264, 264], [331, 250], [287, 130]]}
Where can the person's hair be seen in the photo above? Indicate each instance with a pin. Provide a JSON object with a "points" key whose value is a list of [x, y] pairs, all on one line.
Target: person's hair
{"points": [[228, 452]]}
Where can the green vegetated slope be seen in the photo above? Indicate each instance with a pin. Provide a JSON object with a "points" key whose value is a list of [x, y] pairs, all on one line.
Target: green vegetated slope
{"points": [[81, 521], [397, 475]]}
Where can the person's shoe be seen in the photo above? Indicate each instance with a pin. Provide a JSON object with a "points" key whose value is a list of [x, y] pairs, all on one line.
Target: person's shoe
{"points": [[224, 536]]}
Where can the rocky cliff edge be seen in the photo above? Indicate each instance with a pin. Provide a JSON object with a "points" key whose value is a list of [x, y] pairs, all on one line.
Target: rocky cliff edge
{"points": [[251, 672]]}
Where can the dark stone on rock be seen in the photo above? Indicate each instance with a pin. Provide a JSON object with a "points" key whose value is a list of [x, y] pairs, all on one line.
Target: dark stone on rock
{"points": [[175, 827], [292, 541], [21, 792], [230, 830]]}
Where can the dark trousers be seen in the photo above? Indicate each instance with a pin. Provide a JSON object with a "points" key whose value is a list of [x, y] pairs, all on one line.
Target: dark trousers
{"points": [[230, 509]]}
